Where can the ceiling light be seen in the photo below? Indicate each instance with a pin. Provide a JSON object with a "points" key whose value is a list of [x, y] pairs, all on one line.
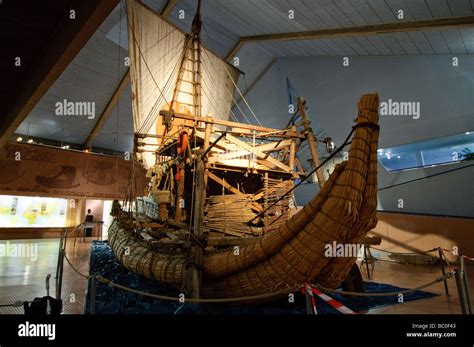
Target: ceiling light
{"points": [[30, 141], [19, 139], [468, 132]]}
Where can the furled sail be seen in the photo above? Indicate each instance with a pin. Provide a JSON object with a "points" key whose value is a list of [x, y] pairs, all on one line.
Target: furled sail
{"points": [[162, 68]]}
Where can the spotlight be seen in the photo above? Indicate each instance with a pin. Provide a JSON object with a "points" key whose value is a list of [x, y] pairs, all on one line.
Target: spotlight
{"points": [[468, 132]]}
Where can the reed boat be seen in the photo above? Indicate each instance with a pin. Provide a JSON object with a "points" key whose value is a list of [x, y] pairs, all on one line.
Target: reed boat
{"points": [[218, 219]]}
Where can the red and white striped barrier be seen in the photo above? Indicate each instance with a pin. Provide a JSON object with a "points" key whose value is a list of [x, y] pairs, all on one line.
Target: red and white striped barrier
{"points": [[309, 290], [336, 304]]}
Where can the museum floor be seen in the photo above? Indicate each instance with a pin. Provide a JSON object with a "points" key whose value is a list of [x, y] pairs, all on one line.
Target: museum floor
{"points": [[23, 279]]}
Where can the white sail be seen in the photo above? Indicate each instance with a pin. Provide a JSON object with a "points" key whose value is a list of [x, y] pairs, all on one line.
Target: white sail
{"points": [[156, 52]]}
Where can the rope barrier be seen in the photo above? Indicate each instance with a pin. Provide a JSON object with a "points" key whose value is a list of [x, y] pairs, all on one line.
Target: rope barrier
{"points": [[407, 253], [260, 296], [424, 252], [195, 301], [442, 255], [72, 266], [406, 291]]}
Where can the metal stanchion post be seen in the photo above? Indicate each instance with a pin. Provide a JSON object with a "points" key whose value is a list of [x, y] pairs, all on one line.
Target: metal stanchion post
{"points": [[60, 278], [59, 256], [93, 290], [466, 286], [309, 304], [441, 261], [461, 294], [366, 259]]}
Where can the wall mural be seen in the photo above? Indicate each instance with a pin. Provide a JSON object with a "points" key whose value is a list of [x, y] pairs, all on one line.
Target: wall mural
{"points": [[38, 170]]}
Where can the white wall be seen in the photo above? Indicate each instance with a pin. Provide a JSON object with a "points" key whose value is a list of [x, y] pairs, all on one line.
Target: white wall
{"points": [[446, 95]]}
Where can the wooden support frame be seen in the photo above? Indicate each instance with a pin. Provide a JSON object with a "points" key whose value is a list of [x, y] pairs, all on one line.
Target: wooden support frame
{"points": [[268, 147], [311, 141], [234, 124], [269, 161], [375, 29]]}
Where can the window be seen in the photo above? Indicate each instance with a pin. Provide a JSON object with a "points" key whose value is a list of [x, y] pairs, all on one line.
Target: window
{"points": [[428, 153]]}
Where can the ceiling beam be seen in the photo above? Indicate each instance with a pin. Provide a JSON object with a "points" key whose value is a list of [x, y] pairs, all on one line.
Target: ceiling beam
{"points": [[108, 109], [375, 29], [166, 10], [69, 38]]}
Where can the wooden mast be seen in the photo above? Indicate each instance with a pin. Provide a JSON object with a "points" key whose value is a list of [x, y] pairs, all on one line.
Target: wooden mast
{"points": [[196, 252], [308, 132]]}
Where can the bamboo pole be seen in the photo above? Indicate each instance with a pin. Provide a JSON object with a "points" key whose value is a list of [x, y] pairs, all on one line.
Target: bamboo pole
{"points": [[291, 162], [308, 132], [195, 261]]}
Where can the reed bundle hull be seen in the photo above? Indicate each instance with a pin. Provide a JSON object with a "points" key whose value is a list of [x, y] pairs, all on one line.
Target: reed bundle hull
{"points": [[343, 212]]}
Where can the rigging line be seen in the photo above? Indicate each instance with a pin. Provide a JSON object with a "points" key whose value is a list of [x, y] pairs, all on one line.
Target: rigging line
{"points": [[141, 54], [337, 150], [205, 70], [150, 118], [210, 92], [425, 177], [168, 52], [146, 125], [168, 84], [243, 113], [211, 97], [228, 91], [212, 41], [241, 95]]}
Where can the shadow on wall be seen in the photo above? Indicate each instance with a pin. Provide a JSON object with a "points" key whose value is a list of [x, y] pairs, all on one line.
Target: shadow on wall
{"points": [[403, 232]]}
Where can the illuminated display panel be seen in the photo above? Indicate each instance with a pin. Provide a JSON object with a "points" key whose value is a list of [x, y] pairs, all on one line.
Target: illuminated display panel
{"points": [[32, 212]]}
